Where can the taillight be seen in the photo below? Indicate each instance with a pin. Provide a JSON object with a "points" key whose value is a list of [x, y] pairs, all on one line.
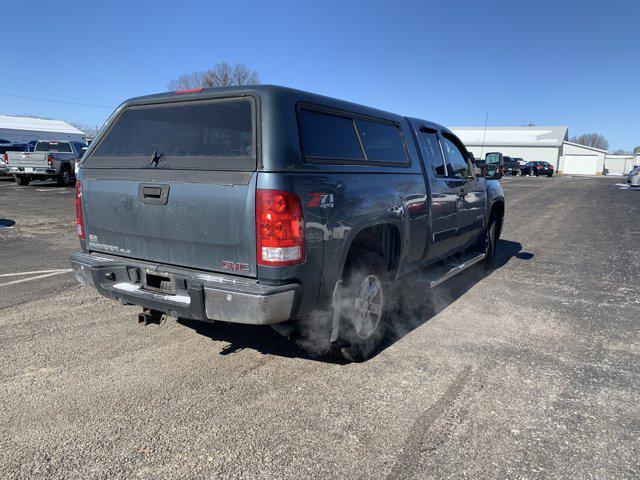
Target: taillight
{"points": [[50, 159], [79, 219], [5, 158], [279, 228]]}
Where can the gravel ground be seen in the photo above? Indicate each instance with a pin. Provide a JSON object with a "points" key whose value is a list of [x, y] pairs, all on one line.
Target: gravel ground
{"points": [[530, 371]]}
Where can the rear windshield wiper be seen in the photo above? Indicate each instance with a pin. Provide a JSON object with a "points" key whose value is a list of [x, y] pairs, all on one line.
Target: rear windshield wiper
{"points": [[156, 158]]}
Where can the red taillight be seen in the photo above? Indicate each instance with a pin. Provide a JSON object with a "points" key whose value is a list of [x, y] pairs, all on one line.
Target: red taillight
{"points": [[279, 228], [79, 219], [190, 90], [50, 159], [5, 158]]}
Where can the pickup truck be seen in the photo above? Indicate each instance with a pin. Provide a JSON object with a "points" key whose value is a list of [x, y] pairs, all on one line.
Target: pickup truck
{"points": [[50, 159], [266, 205], [510, 166], [5, 148]]}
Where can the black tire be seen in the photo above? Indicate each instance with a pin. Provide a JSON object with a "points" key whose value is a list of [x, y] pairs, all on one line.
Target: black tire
{"points": [[549, 175], [365, 316], [487, 243], [22, 180], [64, 179]]}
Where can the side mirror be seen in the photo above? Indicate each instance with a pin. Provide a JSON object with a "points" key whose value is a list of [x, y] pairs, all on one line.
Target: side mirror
{"points": [[493, 165]]}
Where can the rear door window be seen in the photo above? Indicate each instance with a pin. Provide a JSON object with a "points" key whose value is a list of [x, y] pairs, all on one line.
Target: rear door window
{"points": [[204, 135], [382, 142], [328, 136]]}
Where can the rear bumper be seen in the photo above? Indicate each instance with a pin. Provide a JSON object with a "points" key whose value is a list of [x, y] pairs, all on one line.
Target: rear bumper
{"points": [[198, 295], [35, 171]]}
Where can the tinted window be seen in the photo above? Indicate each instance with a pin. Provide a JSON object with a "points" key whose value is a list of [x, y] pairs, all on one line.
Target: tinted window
{"points": [[329, 136], [12, 148], [432, 152], [210, 135], [62, 147], [457, 166], [382, 142]]}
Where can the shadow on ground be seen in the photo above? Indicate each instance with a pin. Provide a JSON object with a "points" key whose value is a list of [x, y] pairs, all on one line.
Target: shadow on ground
{"points": [[416, 307], [6, 223]]}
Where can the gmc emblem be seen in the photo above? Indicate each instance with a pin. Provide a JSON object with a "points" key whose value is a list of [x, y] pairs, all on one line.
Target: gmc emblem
{"points": [[234, 267]]}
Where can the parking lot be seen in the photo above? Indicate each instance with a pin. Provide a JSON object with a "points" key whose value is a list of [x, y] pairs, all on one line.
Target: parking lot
{"points": [[532, 370]]}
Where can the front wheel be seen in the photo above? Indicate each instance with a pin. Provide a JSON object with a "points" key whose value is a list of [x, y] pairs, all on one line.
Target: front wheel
{"points": [[22, 180], [364, 307], [487, 243]]}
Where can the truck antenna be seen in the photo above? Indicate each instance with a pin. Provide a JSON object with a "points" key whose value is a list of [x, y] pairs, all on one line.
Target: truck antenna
{"points": [[486, 119]]}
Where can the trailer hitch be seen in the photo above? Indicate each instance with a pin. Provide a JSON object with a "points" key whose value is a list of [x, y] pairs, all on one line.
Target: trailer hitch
{"points": [[148, 316]]}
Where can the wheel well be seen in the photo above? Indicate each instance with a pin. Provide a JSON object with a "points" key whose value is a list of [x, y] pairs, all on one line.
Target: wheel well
{"points": [[381, 239]]}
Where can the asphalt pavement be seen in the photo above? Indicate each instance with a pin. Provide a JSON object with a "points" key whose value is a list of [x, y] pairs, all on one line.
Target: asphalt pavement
{"points": [[529, 371]]}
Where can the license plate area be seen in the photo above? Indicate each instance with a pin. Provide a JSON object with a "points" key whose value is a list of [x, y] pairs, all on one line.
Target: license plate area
{"points": [[156, 282]]}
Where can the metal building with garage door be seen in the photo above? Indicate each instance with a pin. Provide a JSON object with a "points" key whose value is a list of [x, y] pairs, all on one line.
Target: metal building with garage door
{"points": [[531, 143], [579, 159]]}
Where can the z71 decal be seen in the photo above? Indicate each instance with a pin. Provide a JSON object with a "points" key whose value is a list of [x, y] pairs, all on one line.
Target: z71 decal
{"points": [[322, 200]]}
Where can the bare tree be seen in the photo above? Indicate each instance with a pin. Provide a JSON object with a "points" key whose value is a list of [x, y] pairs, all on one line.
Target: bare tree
{"points": [[621, 152], [594, 140], [220, 75]]}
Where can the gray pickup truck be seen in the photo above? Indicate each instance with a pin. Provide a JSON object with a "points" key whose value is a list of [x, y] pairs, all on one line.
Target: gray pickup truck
{"points": [[268, 205], [50, 159]]}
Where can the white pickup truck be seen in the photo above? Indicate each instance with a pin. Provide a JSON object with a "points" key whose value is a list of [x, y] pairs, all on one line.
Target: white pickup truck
{"points": [[50, 159]]}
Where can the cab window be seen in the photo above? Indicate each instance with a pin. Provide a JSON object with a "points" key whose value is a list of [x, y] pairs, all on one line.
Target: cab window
{"points": [[432, 153], [457, 166]]}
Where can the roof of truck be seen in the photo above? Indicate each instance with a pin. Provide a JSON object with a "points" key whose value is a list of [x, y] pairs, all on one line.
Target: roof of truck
{"points": [[266, 91]]}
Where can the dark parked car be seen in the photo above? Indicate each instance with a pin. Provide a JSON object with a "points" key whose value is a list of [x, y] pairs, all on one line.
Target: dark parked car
{"points": [[511, 166], [537, 169], [267, 205]]}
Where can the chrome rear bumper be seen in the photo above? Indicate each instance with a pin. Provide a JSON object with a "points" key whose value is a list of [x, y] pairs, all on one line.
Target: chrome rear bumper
{"points": [[194, 294]]}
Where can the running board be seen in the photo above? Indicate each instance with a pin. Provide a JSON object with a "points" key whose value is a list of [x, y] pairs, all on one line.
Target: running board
{"points": [[437, 274]]}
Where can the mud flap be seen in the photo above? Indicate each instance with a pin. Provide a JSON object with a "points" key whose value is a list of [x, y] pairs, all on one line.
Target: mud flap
{"points": [[336, 305]]}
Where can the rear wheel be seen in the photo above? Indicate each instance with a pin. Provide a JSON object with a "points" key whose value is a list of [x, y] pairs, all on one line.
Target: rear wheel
{"points": [[22, 180], [364, 306], [64, 179]]}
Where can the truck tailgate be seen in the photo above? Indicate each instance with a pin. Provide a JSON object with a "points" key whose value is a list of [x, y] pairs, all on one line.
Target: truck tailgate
{"points": [[27, 159], [208, 225]]}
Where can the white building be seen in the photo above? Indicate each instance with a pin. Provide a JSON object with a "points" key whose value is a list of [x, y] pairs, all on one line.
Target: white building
{"points": [[535, 143], [25, 129], [620, 164], [581, 160], [529, 143]]}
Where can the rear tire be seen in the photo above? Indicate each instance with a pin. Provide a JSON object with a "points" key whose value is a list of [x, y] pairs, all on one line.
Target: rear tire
{"points": [[22, 180], [365, 295], [64, 179]]}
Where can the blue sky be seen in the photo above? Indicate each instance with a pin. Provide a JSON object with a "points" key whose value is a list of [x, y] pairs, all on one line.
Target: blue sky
{"points": [[574, 63]]}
